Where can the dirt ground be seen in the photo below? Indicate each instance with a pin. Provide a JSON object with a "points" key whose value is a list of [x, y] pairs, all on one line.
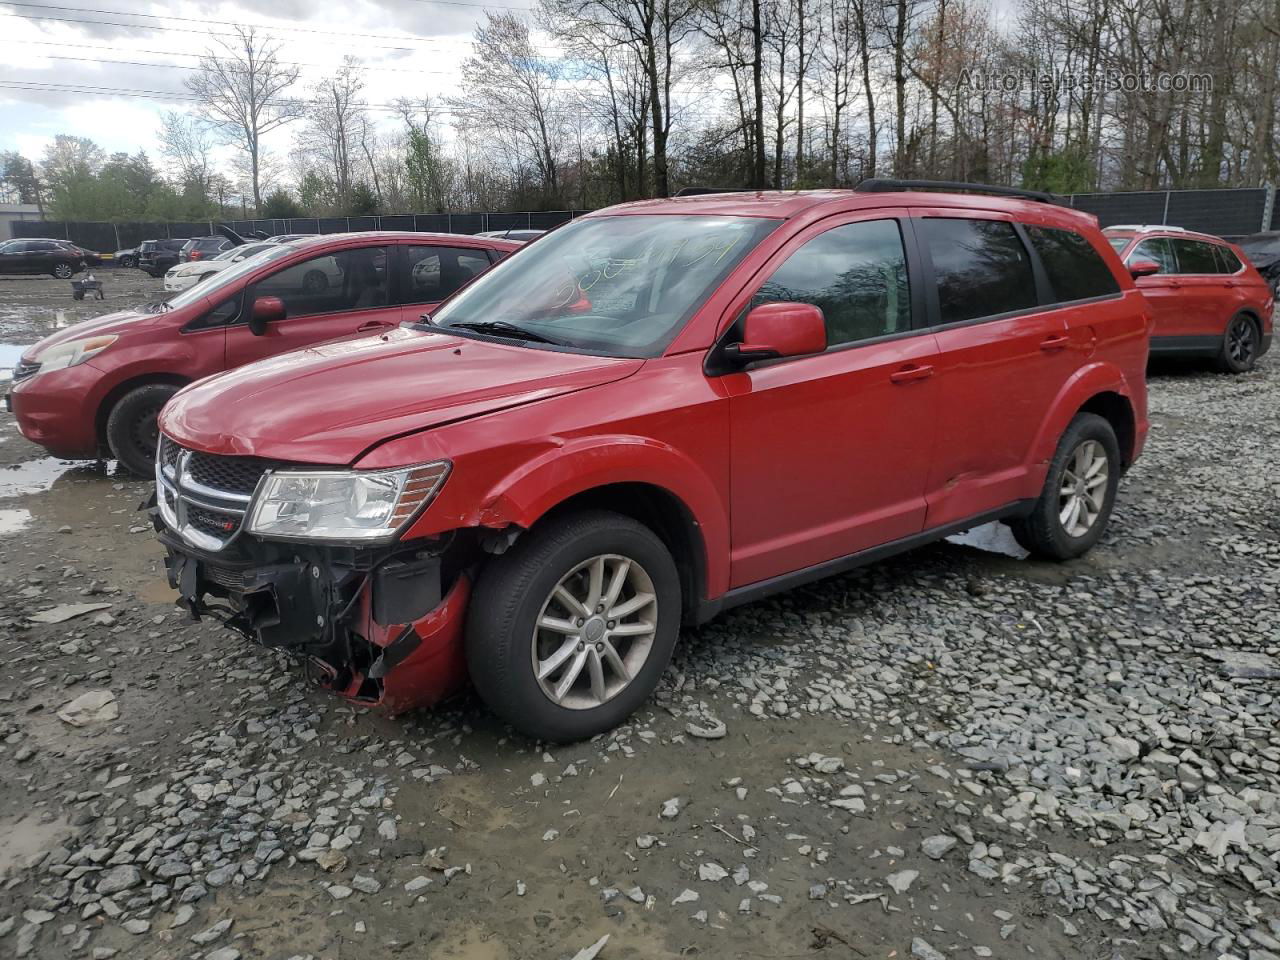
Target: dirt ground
{"points": [[241, 794]]}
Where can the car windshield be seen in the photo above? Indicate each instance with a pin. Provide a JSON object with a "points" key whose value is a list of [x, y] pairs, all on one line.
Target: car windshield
{"points": [[617, 285], [1118, 243], [228, 277]]}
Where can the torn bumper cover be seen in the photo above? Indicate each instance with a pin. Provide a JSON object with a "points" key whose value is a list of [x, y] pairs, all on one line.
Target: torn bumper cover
{"points": [[381, 627]]}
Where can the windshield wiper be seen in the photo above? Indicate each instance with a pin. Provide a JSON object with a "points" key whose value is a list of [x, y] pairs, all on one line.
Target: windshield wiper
{"points": [[502, 328]]}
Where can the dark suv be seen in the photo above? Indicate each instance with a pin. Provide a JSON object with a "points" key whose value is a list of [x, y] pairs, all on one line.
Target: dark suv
{"points": [[653, 413], [155, 257], [58, 258]]}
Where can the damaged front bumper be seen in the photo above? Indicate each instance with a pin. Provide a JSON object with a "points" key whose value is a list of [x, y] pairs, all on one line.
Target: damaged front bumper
{"points": [[380, 626]]}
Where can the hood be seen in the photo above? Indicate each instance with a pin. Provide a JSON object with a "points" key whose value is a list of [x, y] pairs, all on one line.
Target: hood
{"points": [[328, 404], [121, 322]]}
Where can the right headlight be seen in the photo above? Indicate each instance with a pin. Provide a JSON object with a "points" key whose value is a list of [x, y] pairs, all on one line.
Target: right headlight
{"points": [[368, 506]]}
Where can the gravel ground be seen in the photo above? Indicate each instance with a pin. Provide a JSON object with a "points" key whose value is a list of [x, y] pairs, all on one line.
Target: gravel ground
{"points": [[957, 753]]}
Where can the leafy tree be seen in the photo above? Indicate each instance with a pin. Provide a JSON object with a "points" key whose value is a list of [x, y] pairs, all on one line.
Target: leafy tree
{"points": [[280, 205], [364, 202]]}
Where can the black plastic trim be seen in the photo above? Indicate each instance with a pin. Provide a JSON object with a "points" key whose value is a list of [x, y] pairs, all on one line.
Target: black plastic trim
{"points": [[787, 581]]}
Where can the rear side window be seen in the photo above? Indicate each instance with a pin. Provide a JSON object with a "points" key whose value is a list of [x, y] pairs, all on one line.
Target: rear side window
{"points": [[1194, 256], [1076, 271], [981, 268], [434, 273], [856, 274], [1228, 262], [1157, 250]]}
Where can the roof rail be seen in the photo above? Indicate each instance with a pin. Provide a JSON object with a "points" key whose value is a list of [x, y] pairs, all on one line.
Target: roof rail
{"points": [[1146, 226], [881, 184], [700, 191]]}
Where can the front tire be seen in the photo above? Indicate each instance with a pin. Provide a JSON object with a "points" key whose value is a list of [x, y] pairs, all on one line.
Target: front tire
{"points": [[1240, 345], [132, 433], [568, 632], [1079, 493], [63, 271]]}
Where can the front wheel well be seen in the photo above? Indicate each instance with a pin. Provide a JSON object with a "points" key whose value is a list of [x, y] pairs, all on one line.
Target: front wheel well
{"points": [[120, 389], [663, 513], [1117, 411]]}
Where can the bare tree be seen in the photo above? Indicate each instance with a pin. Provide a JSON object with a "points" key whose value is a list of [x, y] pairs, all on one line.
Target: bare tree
{"points": [[242, 89], [336, 124], [517, 95], [188, 146]]}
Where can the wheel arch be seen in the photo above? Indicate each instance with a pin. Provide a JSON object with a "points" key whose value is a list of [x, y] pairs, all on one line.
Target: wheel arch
{"points": [[113, 396], [1101, 389], [1116, 409], [662, 512]]}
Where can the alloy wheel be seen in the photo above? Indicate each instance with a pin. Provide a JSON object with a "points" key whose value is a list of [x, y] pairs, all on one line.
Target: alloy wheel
{"points": [[1082, 491], [62, 271], [594, 632], [1242, 342]]}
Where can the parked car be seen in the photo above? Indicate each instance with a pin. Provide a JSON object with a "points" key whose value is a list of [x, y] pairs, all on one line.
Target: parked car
{"points": [[94, 389], [128, 257], [1263, 251], [286, 237], [656, 412], [186, 275], [155, 257], [1206, 299], [520, 235], [58, 258], [204, 248]]}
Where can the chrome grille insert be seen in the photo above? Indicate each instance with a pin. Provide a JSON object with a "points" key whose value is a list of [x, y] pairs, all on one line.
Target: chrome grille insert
{"points": [[203, 497]]}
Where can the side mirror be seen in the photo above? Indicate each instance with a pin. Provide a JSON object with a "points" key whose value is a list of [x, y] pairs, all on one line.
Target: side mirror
{"points": [[1143, 268], [774, 330], [265, 310]]}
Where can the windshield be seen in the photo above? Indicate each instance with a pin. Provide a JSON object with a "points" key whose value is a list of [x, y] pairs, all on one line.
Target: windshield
{"points": [[1118, 243], [620, 285], [228, 277]]}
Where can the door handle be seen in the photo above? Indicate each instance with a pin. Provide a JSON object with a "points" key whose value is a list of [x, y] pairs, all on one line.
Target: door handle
{"points": [[371, 325], [1057, 342], [909, 374]]}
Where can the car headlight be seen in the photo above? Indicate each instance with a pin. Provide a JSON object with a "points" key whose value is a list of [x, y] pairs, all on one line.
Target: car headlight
{"points": [[362, 505], [72, 352]]}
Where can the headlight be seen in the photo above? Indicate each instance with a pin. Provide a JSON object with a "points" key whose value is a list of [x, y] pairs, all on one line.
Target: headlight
{"points": [[73, 352], [371, 506]]}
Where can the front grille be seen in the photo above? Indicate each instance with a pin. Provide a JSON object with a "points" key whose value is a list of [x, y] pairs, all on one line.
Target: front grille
{"points": [[204, 497], [25, 369], [236, 474]]}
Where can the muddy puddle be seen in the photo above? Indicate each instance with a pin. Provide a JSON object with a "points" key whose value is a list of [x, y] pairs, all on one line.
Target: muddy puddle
{"points": [[13, 521], [33, 476]]}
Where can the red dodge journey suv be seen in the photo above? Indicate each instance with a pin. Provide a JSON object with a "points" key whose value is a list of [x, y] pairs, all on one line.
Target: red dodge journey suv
{"points": [[656, 412], [97, 386], [1206, 299]]}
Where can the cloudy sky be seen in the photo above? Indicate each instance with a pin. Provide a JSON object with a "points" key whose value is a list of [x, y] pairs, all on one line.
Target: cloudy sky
{"points": [[97, 71]]}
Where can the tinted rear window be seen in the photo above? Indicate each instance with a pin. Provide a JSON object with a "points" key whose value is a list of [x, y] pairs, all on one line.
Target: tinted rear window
{"points": [[1076, 270], [1228, 262], [1194, 256], [981, 268]]}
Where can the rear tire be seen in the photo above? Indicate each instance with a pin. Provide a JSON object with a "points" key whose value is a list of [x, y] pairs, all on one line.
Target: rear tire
{"points": [[587, 671], [1079, 492], [132, 433], [1240, 345]]}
